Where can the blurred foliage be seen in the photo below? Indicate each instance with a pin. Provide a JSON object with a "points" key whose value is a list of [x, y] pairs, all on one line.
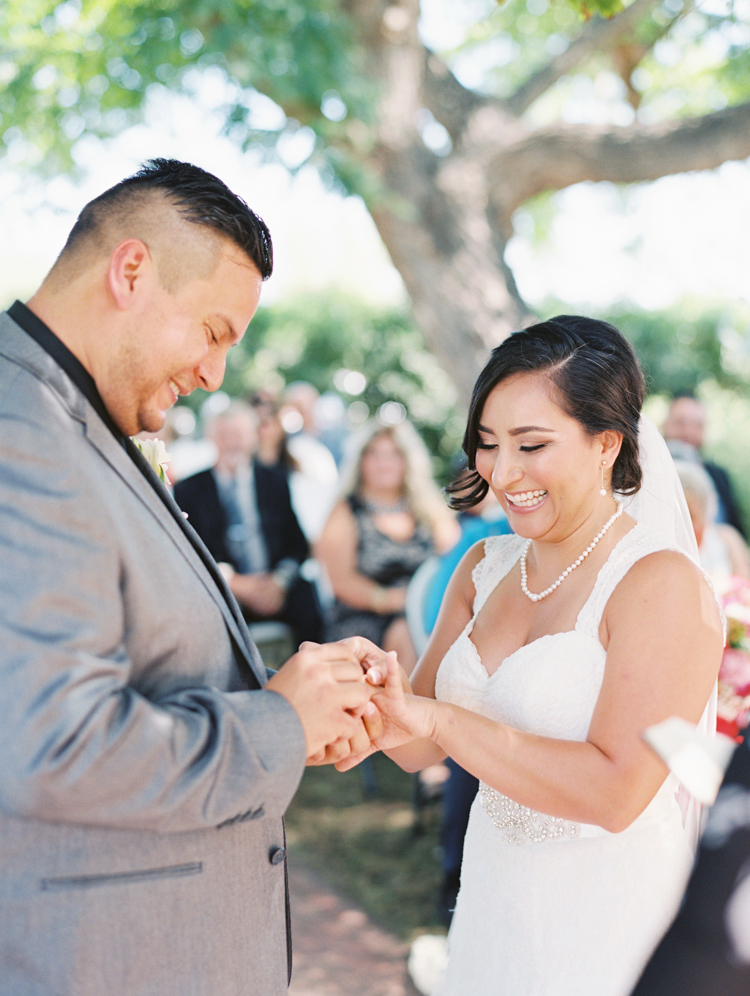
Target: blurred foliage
{"points": [[316, 337], [87, 68], [703, 350], [681, 59], [684, 346]]}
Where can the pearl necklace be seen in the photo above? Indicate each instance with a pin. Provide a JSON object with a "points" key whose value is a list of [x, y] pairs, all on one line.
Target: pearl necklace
{"points": [[568, 570]]}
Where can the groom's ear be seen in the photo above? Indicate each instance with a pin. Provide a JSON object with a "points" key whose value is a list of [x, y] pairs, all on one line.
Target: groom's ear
{"points": [[130, 266]]}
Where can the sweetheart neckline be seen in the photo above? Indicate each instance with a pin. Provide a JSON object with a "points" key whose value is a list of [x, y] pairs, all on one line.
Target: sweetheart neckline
{"points": [[602, 571], [545, 636]]}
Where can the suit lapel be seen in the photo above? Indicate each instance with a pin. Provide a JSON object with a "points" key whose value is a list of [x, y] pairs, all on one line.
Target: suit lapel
{"points": [[132, 467]]}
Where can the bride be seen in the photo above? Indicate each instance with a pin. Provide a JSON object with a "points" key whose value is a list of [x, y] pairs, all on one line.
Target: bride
{"points": [[554, 649]]}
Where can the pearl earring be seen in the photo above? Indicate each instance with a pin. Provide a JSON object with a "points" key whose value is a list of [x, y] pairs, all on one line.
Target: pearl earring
{"points": [[603, 490]]}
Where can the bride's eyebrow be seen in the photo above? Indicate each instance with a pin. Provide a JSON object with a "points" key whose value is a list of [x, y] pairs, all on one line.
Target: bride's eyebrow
{"points": [[528, 428]]}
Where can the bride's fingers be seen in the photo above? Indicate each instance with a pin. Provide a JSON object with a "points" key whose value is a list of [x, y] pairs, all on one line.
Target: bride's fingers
{"points": [[390, 696], [393, 684], [379, 670], [373, 721]]}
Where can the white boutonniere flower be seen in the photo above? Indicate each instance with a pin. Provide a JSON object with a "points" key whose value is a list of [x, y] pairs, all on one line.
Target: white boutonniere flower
{"points": [[155, 452]]}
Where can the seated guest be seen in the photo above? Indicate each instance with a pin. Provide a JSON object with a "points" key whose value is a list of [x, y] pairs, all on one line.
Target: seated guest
{"points": [[390, 518], [722, 549], [686, 423], [273, 442], [242, 511], [312, 498], [318, 449]]}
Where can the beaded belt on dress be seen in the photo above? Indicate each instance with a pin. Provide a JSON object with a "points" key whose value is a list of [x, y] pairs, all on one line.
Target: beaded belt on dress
{"points": [[520, 824]]}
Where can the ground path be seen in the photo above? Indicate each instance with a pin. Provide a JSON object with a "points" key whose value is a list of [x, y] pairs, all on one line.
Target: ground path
{"points": [[337, 950]]}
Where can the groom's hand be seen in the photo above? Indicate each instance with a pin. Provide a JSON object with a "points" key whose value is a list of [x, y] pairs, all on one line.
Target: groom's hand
{"points": [[326, 686], [346, 754], [379, 728], [367, 653]]}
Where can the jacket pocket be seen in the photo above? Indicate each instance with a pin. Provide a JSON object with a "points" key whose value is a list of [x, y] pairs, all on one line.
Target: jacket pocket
{"points": [[120, 878]]}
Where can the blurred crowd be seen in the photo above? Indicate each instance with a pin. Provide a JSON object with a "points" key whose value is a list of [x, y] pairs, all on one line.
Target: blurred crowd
{"points": [[354, 511], [315, 523]]}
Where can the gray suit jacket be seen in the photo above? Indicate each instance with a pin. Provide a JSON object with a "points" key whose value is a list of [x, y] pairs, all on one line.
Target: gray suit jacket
{"points": [[141, 783]]}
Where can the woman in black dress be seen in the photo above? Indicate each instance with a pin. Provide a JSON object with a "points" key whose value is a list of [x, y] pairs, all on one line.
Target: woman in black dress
{"points": [[390, 518]]}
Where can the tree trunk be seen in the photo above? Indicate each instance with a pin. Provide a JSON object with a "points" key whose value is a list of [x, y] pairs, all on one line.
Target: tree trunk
{"points": [[434, 213], [446, 219]]}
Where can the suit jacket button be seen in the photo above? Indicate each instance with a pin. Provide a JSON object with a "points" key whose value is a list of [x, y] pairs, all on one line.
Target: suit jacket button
{"points": [[277, 855]]}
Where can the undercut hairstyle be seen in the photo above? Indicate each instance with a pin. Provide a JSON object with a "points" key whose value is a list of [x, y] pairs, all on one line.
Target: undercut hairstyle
{"points": [[200, 198], [596, 379]]}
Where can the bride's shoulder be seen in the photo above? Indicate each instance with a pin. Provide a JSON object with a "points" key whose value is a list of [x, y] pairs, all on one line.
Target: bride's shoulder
{"points": [[665, 566], [664, 579], [643, 550]]}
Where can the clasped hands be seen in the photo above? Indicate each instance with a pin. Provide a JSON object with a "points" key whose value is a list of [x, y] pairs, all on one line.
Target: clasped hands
{"points": [[351, 699]]}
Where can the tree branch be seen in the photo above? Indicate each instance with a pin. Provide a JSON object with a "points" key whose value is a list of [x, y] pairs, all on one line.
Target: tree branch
{"points": [[449, 101], [600, 34], [558, 157]]}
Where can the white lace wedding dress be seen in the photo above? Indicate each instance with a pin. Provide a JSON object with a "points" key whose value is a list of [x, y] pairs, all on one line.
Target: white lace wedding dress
{"points": [[549, 907]]}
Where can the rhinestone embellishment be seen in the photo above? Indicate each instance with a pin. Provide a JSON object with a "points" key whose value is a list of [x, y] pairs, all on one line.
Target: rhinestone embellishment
{"points": [[519, 824]]}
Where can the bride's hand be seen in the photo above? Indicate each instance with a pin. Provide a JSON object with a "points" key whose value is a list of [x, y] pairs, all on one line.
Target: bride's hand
{"points": [[401, 716], [404, 716], [381, 731]]}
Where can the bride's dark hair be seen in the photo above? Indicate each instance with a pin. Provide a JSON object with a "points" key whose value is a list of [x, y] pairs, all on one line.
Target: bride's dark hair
{"points": [[598, 382]]}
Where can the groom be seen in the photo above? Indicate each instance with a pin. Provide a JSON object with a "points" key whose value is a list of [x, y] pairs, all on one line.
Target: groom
{"points": [[147, 756]]}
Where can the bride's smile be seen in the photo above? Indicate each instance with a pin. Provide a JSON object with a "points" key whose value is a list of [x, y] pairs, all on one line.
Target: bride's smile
{"points": [[526, 499]]}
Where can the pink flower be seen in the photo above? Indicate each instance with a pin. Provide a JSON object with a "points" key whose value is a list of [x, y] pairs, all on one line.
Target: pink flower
{"points": [[735, 670]]}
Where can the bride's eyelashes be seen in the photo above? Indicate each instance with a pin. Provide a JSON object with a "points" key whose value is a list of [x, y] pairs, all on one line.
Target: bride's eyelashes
{"points": [[481, 445]]}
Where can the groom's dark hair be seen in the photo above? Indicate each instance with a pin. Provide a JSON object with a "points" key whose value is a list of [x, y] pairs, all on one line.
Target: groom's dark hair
{"points": [[200, 198], [598, 382]]}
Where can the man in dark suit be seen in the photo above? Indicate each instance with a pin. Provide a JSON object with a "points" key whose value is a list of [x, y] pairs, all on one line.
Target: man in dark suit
{"points": [[686, 422], [242, 510]]}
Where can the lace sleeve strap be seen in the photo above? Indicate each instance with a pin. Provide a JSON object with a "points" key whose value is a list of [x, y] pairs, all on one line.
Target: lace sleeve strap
{"points": [[501, 553]]}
